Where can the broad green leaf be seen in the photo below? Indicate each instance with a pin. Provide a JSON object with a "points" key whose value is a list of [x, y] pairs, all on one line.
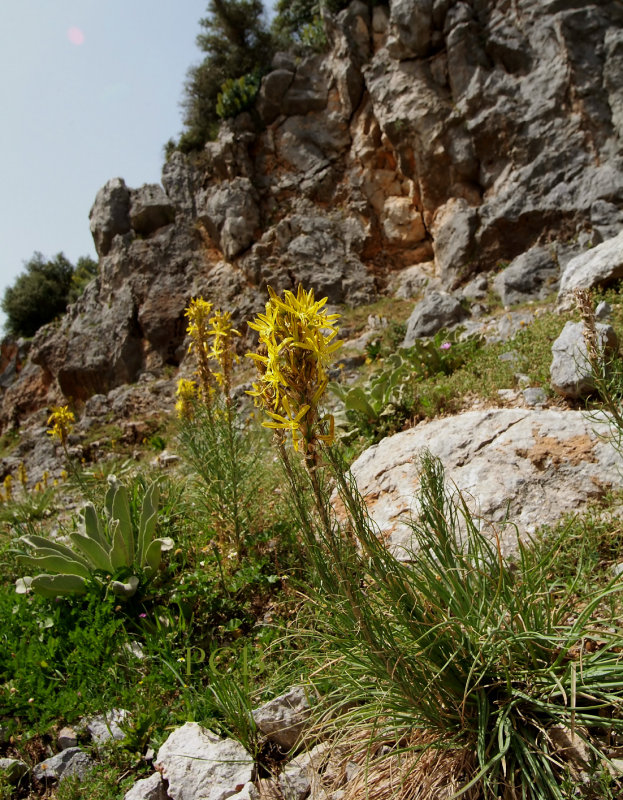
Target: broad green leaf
{"points": [[119, 555], [56, 563], [121, 512], [92, 525], [356, 400], [58, 585], [43, 546], [97, 555], [149, 518], [128, 589], [153, 554]]}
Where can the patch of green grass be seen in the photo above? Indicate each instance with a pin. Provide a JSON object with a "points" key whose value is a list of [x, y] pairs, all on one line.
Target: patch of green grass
{"points": [[486, 373]]}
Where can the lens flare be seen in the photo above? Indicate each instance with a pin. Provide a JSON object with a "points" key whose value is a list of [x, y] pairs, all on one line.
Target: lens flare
{"points": [[75, 35]]}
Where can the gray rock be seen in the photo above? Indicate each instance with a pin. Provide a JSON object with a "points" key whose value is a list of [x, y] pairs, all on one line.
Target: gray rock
{"points": [[67, 737], [617, 570], [570, 370], [199, 765], [106, 727], [271, 94], [53, 768], [606, 221], [477, 288], [613, 69], [410, 28], [453, 237], [302, 775], [151, 788], [150, 209], [527, 467], [597, 267], [436, 311], [283, 719], [248, 792], [534, 396], [308, 89], [13, 770], [79, 766], [531, 276], [230, 214], [180, 181], [603, 311], [110, 214]]}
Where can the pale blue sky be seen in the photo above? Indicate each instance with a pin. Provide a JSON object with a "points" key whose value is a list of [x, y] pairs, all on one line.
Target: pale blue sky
{"points": [[78, 112]]}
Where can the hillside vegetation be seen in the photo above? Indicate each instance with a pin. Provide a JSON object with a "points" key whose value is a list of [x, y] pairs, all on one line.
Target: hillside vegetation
{"points": [[262, 588]]}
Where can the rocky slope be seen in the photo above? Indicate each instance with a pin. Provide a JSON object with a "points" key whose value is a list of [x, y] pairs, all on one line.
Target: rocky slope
{"points": [[432, 142]]}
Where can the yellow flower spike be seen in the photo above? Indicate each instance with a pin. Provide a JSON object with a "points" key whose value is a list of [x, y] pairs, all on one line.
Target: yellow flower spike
{"points": [[8, 486], [296, 340], [21, 474], [61, 419], [187, 393]]}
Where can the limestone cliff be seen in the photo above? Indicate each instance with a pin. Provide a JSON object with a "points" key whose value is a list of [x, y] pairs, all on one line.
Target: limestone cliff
{"points": [[444, 136]]}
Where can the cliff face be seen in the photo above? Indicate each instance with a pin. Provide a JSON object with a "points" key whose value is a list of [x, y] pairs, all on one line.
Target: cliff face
{"points": [[436, 135]]}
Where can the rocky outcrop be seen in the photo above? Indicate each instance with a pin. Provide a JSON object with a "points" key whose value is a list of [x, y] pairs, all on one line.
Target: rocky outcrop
{"points": [[528, 466], [571, 371], [438, 140], [198, 764]]}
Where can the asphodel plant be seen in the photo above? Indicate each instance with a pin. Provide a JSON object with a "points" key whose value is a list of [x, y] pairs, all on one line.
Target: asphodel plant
{"points": [[212, 340], [297, 339]]}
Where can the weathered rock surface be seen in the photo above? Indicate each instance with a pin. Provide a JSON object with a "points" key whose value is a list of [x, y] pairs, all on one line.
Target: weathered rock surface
{"points": [[597, 267], [198, 765], [72, 761], [150, 209], [570, 371], [531, 276], [230, 214], [107, 727], [462, 134], [152, 788], [301, 775], [436, 311], [528, 466], [283, 719], [110, 214], [13, 770]]}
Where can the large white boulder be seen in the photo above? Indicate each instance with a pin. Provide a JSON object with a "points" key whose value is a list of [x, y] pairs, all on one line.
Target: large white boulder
{"points": [[528, 467], [199, 765]]}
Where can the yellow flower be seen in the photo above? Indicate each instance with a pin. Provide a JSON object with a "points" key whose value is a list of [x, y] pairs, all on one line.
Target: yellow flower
{"points": [[296, 342], [61, 419], [8, 486], [187, 395], [198, 313], [21, 474]]}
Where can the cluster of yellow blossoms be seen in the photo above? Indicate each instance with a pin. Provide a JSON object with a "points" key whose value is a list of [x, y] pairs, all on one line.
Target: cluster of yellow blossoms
{"points": [[62, 421], [296, 341], [212, 339]]}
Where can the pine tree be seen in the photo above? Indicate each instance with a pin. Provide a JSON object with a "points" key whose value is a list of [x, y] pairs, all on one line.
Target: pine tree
{"points": [[237, 43]]}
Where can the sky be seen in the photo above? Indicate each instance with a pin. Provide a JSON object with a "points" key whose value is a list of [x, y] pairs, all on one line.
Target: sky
{"points": [[90, 90]]}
